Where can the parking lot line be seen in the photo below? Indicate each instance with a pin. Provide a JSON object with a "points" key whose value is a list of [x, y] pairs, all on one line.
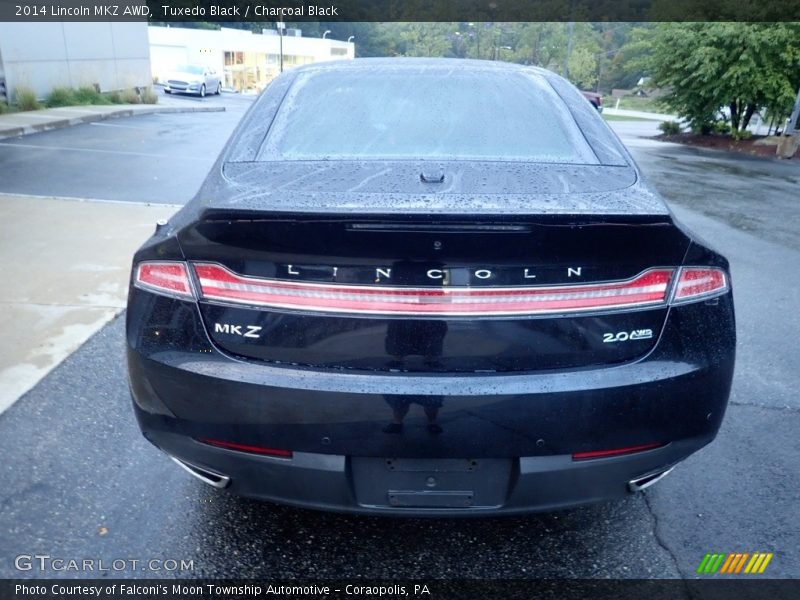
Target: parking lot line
{"points": [[103, 200], [118, 126], [103, 151]]}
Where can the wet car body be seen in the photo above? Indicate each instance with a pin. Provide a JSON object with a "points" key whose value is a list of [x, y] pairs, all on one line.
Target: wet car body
{"points": [[427, 335]]}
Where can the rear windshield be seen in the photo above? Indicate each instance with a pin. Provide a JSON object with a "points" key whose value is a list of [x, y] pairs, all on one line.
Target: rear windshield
{"points": [[424, 114]]}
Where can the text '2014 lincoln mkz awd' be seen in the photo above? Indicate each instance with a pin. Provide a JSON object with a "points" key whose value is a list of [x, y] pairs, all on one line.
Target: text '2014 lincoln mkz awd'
{"points": [[428, 287]]}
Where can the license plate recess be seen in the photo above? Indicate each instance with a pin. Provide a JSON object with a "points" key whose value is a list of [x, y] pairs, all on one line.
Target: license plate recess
{"points": [[431, 482]]}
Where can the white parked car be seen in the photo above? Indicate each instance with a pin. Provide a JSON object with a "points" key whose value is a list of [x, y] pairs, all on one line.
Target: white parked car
{"points": [[193, 79]]}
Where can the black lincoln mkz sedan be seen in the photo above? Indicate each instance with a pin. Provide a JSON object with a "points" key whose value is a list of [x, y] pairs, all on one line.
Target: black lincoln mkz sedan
{"points": [[428, 287]]}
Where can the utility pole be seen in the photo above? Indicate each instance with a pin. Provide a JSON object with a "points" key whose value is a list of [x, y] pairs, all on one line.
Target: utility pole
{"points": [[570, 30], [599, 76], [280, 33]]}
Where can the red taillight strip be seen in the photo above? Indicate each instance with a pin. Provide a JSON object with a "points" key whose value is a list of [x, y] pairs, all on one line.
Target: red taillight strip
{"points": [[276, 452], [164, 277], [614, 452], [696, 283], [219, 283]]}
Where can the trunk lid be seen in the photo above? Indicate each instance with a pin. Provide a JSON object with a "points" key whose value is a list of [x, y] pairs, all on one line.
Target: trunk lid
{"points": [[429, 253], [430, 187]]}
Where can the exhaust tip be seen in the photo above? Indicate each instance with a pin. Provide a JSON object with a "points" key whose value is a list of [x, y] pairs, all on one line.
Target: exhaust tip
{"points": [[642, 483], [211, 478]]}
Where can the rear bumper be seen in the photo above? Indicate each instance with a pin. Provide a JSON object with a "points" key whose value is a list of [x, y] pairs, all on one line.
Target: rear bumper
{"points": [[521, 427], [333, 482], [182, 89]]}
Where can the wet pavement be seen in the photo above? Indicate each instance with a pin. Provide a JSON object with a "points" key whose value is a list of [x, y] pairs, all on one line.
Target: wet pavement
{"points": [[159, 158], [751, 194], [79, 481]]}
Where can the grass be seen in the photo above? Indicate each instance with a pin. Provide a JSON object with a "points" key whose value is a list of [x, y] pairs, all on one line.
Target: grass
{"points": [[89, 95], [130, 96], [637, 103], [60, 96], [149, 96], [25, 99], [619, 118]]}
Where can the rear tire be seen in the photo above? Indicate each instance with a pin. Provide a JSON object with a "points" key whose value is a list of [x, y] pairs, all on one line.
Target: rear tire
{"points": [[203, 91], [167, 91], [219, 89]]}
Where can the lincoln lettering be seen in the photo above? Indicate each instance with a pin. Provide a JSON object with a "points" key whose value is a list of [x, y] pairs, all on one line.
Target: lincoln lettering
{"points": [[383, 274]]}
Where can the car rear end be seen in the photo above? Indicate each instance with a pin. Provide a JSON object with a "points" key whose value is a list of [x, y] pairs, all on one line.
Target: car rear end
{"points": [[595, 99], [451, 335]]}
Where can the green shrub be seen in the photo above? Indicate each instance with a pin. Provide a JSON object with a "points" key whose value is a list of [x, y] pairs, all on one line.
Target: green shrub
{"points": [[130, 96], [114, 97], [703, 128], [61, 96], [149, 96], [25, 99], [4, 108], [722, 128], [90, 95], [670, 127], [741, 135]]}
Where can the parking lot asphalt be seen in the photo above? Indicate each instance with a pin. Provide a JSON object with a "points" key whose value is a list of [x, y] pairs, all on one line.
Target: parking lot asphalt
{"points": [[80, 482], [158, 158]]}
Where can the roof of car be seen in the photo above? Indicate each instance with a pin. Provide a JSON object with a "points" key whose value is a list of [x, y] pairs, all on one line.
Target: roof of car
{"points": [[461, 64]]}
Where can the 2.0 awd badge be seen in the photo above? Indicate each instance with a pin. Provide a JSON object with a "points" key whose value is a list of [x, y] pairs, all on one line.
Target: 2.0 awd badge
{"points": [[626, 336]]}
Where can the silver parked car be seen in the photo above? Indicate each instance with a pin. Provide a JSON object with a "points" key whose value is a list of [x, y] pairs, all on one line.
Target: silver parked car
{"points": [[193, 79]]}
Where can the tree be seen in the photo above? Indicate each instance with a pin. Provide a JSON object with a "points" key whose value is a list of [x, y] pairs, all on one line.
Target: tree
{"points": [[583, 68], [742, 67], [425, 39], [593, 62], [630, 60]]}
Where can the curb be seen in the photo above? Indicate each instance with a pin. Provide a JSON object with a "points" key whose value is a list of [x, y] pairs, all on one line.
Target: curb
{"points": [[17, 195], [59, 122]]}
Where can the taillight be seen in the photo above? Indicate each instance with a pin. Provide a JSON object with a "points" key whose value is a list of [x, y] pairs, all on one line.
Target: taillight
{"points": [[220, 284], [697, 283], [614, 452], [162, 277], [275, 452]]}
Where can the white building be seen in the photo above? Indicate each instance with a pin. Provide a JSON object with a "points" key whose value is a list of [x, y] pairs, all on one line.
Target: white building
{"points": [[248, 61], [42, 55]]}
